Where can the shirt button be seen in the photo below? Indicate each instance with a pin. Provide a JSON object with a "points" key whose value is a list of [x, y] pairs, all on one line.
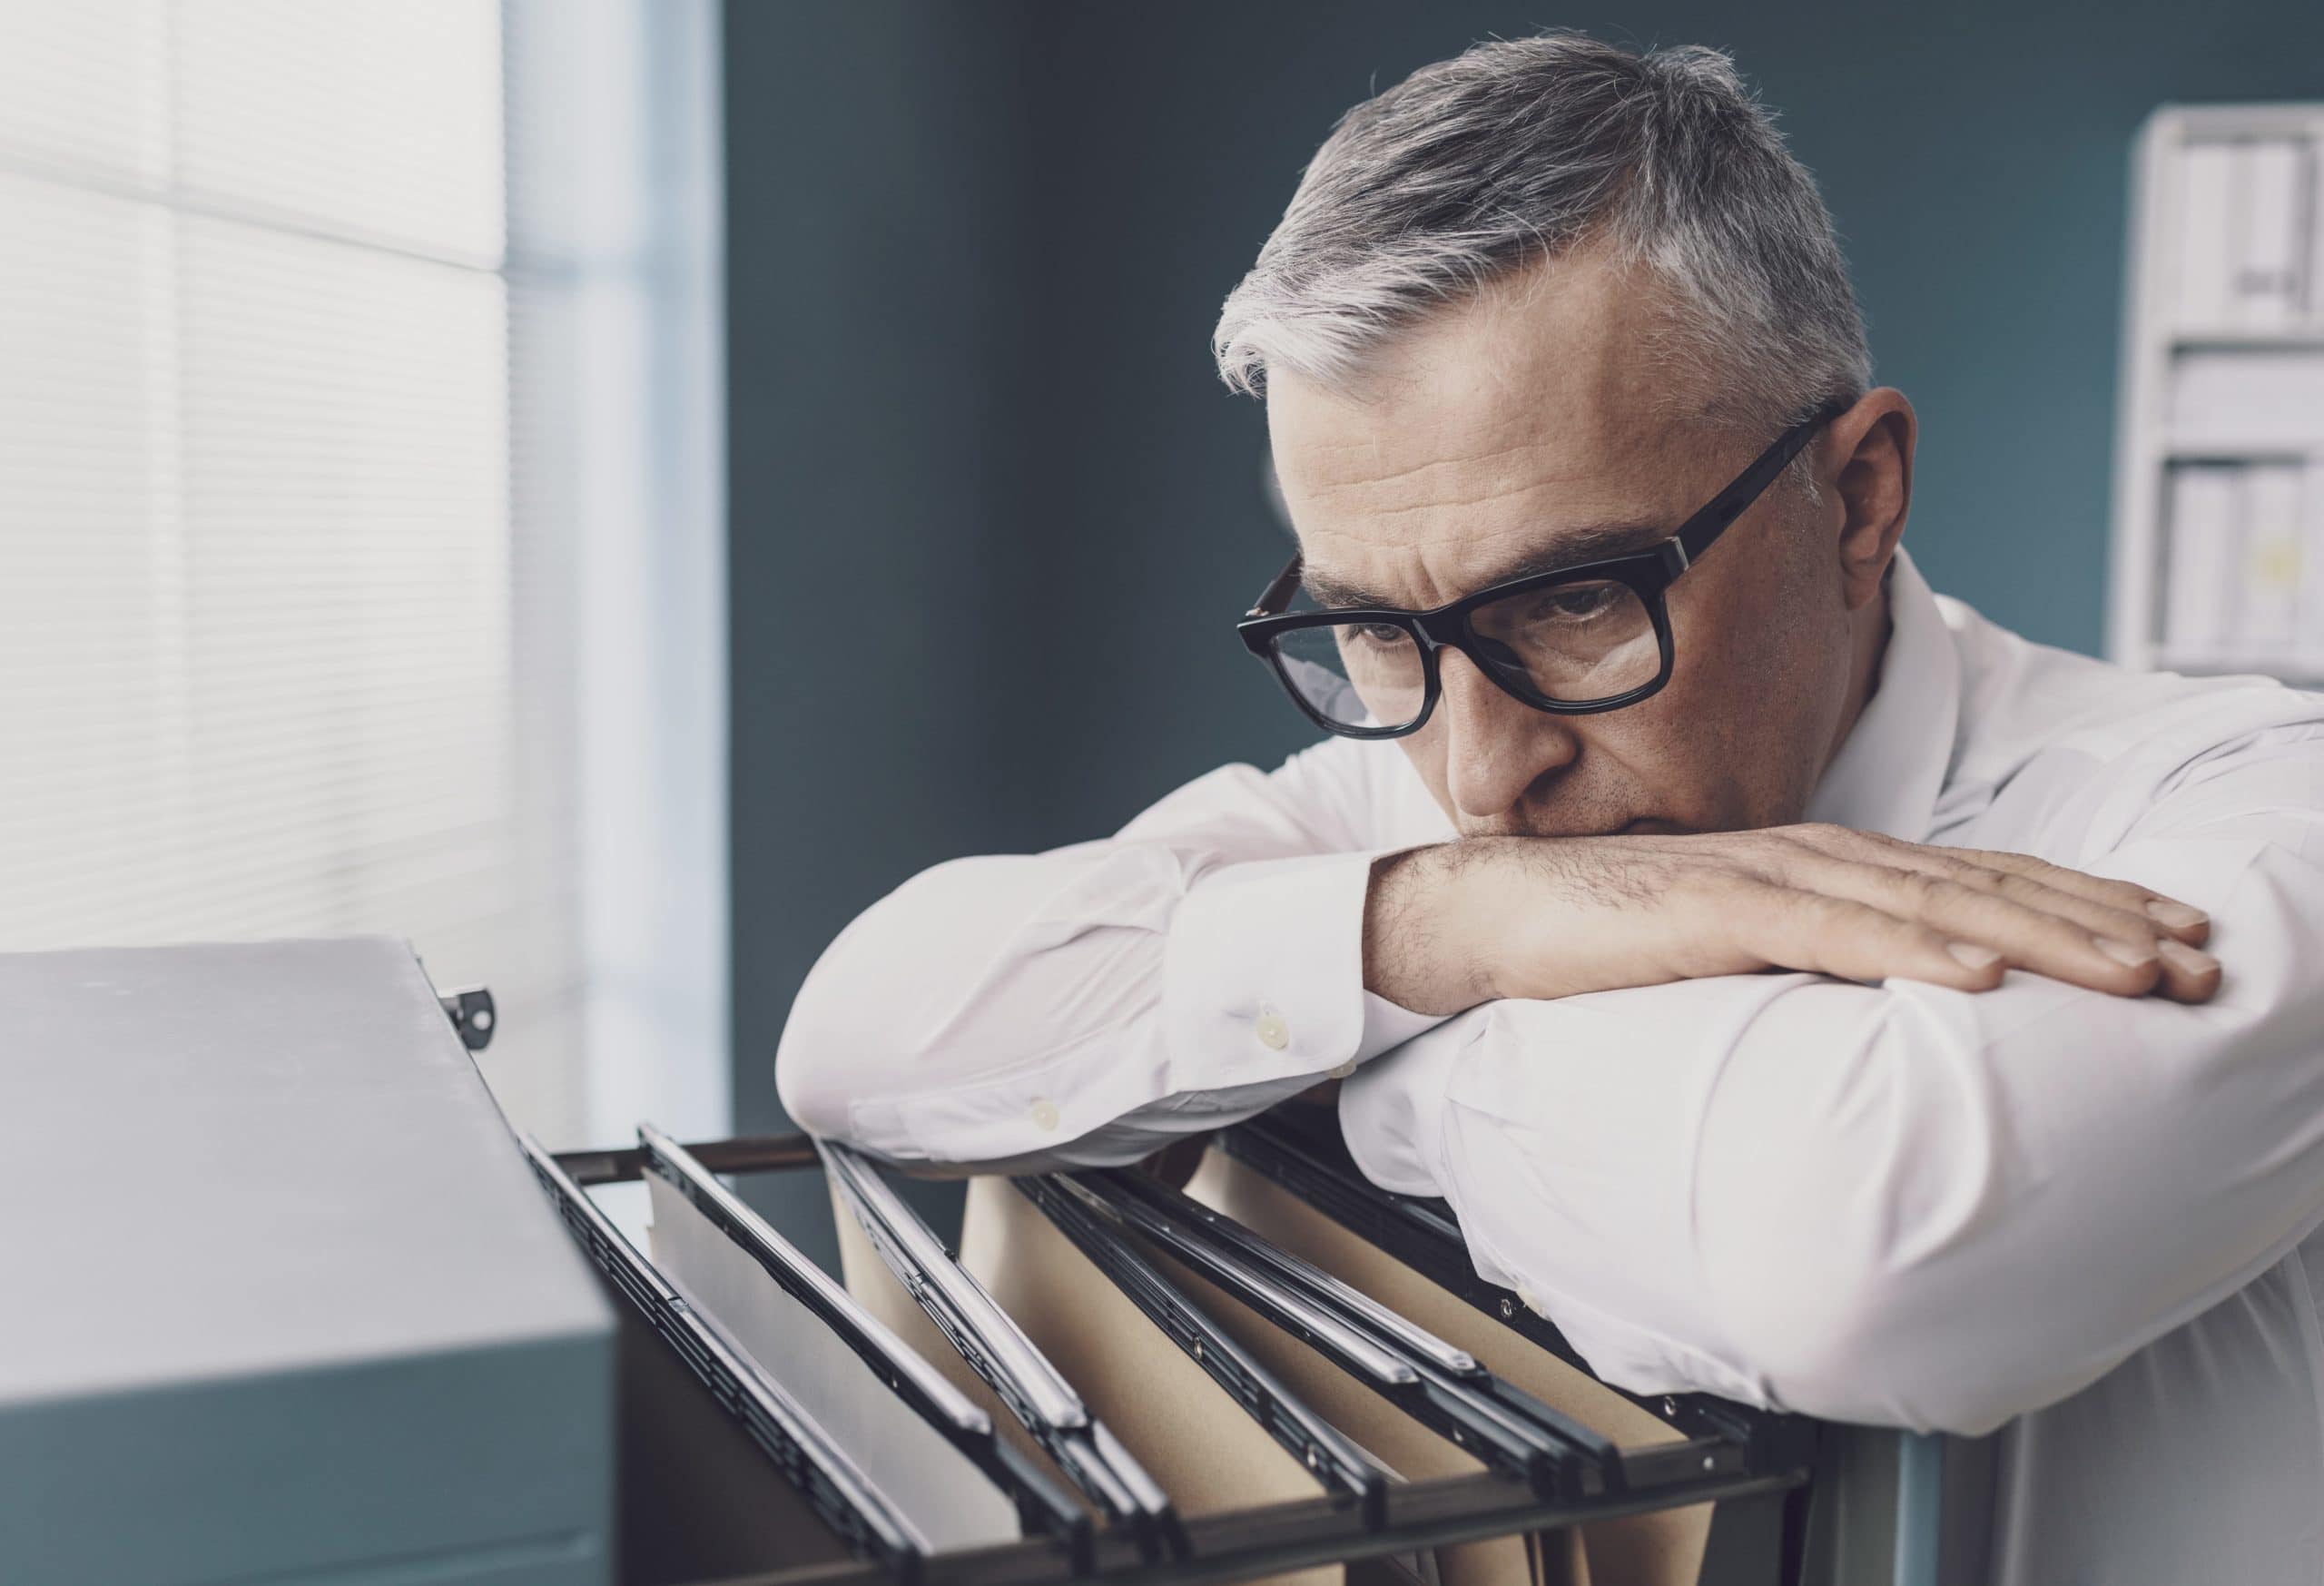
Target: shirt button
{"points": [[1274, 1033], [1044, 1113], [1342, 1072]]}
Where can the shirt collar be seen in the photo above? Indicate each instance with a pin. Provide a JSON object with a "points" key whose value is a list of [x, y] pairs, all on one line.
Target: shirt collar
{"points": [[1891, 767]]}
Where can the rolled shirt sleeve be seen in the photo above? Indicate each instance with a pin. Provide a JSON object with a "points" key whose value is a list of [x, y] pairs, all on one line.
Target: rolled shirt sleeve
{"points": [[1095, 1003]]}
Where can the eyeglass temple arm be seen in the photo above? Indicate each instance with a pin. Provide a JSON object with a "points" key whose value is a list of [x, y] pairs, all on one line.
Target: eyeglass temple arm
{"points": [[1277, 595], [1728, 504]]}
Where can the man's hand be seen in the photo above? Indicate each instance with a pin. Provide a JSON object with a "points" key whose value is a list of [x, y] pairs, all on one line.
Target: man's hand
{"points": [[1449, 927]]}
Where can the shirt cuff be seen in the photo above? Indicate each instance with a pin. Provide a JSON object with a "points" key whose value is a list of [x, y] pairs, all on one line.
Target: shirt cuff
{"points": [[1263, 975], [1261, 994]]}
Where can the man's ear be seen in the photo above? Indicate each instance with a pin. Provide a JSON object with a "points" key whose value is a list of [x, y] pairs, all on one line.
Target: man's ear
{"points": [[1869, 451]]}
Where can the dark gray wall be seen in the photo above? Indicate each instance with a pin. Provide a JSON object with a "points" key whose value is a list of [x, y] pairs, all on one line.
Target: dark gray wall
{"points": [[992, 513]]}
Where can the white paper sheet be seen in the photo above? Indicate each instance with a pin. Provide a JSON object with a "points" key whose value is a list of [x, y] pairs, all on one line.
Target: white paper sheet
{"points": [[953, 1503]]}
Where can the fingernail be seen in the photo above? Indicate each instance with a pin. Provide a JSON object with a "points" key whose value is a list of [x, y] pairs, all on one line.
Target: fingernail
{"points": [[2132, 955], [2188, 961], [2178, 916], [1973, 956]]}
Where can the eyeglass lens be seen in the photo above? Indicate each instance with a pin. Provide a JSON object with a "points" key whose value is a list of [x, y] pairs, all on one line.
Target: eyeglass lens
{"points": [[1572, 643]]}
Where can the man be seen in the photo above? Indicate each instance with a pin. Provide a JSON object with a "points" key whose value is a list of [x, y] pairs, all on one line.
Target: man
{"points": [[1633, 698]]}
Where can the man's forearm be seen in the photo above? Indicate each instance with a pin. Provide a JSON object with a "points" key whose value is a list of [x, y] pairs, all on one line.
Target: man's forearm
{"points": [[1423, 946], [1450, 926]]}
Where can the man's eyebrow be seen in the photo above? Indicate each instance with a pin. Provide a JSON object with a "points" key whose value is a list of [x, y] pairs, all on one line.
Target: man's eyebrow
{"points": [[1590, 543]]}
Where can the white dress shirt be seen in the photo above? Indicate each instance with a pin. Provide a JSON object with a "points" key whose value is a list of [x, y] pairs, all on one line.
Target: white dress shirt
{"points": [[2076, 1215]]}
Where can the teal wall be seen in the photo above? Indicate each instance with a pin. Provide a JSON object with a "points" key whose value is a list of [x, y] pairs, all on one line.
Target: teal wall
{"points": [[993, 514]]}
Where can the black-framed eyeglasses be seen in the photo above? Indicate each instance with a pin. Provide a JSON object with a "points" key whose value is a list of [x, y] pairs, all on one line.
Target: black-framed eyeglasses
{"points": [[1572, 641]]}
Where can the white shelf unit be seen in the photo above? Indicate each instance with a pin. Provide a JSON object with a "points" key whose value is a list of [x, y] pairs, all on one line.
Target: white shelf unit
{"points": [[2218, 392]]}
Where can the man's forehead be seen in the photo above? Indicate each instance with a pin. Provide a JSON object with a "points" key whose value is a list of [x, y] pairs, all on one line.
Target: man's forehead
{"points": [[1537, 363], [1519, 427]]}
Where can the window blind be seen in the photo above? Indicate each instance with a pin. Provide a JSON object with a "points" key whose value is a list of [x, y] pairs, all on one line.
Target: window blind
{"points": [[276, 656]]}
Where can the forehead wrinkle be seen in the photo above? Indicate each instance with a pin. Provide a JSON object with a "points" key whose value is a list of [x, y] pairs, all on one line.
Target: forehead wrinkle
{"points": [[1524, 462], [1446, 503], [1469, 536], [1510, 473], [1332, 486]]}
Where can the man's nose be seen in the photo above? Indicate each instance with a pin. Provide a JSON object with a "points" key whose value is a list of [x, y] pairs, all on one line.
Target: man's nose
{"points": [[1496, 747]]}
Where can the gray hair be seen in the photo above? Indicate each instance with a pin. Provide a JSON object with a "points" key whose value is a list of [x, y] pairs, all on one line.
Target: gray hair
{"points": [[1521, 150]]}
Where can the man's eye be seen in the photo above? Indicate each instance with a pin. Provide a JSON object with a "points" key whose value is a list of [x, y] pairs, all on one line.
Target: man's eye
{"points": [[1575, 603], [1375, 634]]}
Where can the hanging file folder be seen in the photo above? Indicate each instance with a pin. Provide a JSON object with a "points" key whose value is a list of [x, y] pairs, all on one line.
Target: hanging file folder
{"points": [[931, 1452], [843, 1499], [1429, 1379], [1335, 1460], [998, 1350]]}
